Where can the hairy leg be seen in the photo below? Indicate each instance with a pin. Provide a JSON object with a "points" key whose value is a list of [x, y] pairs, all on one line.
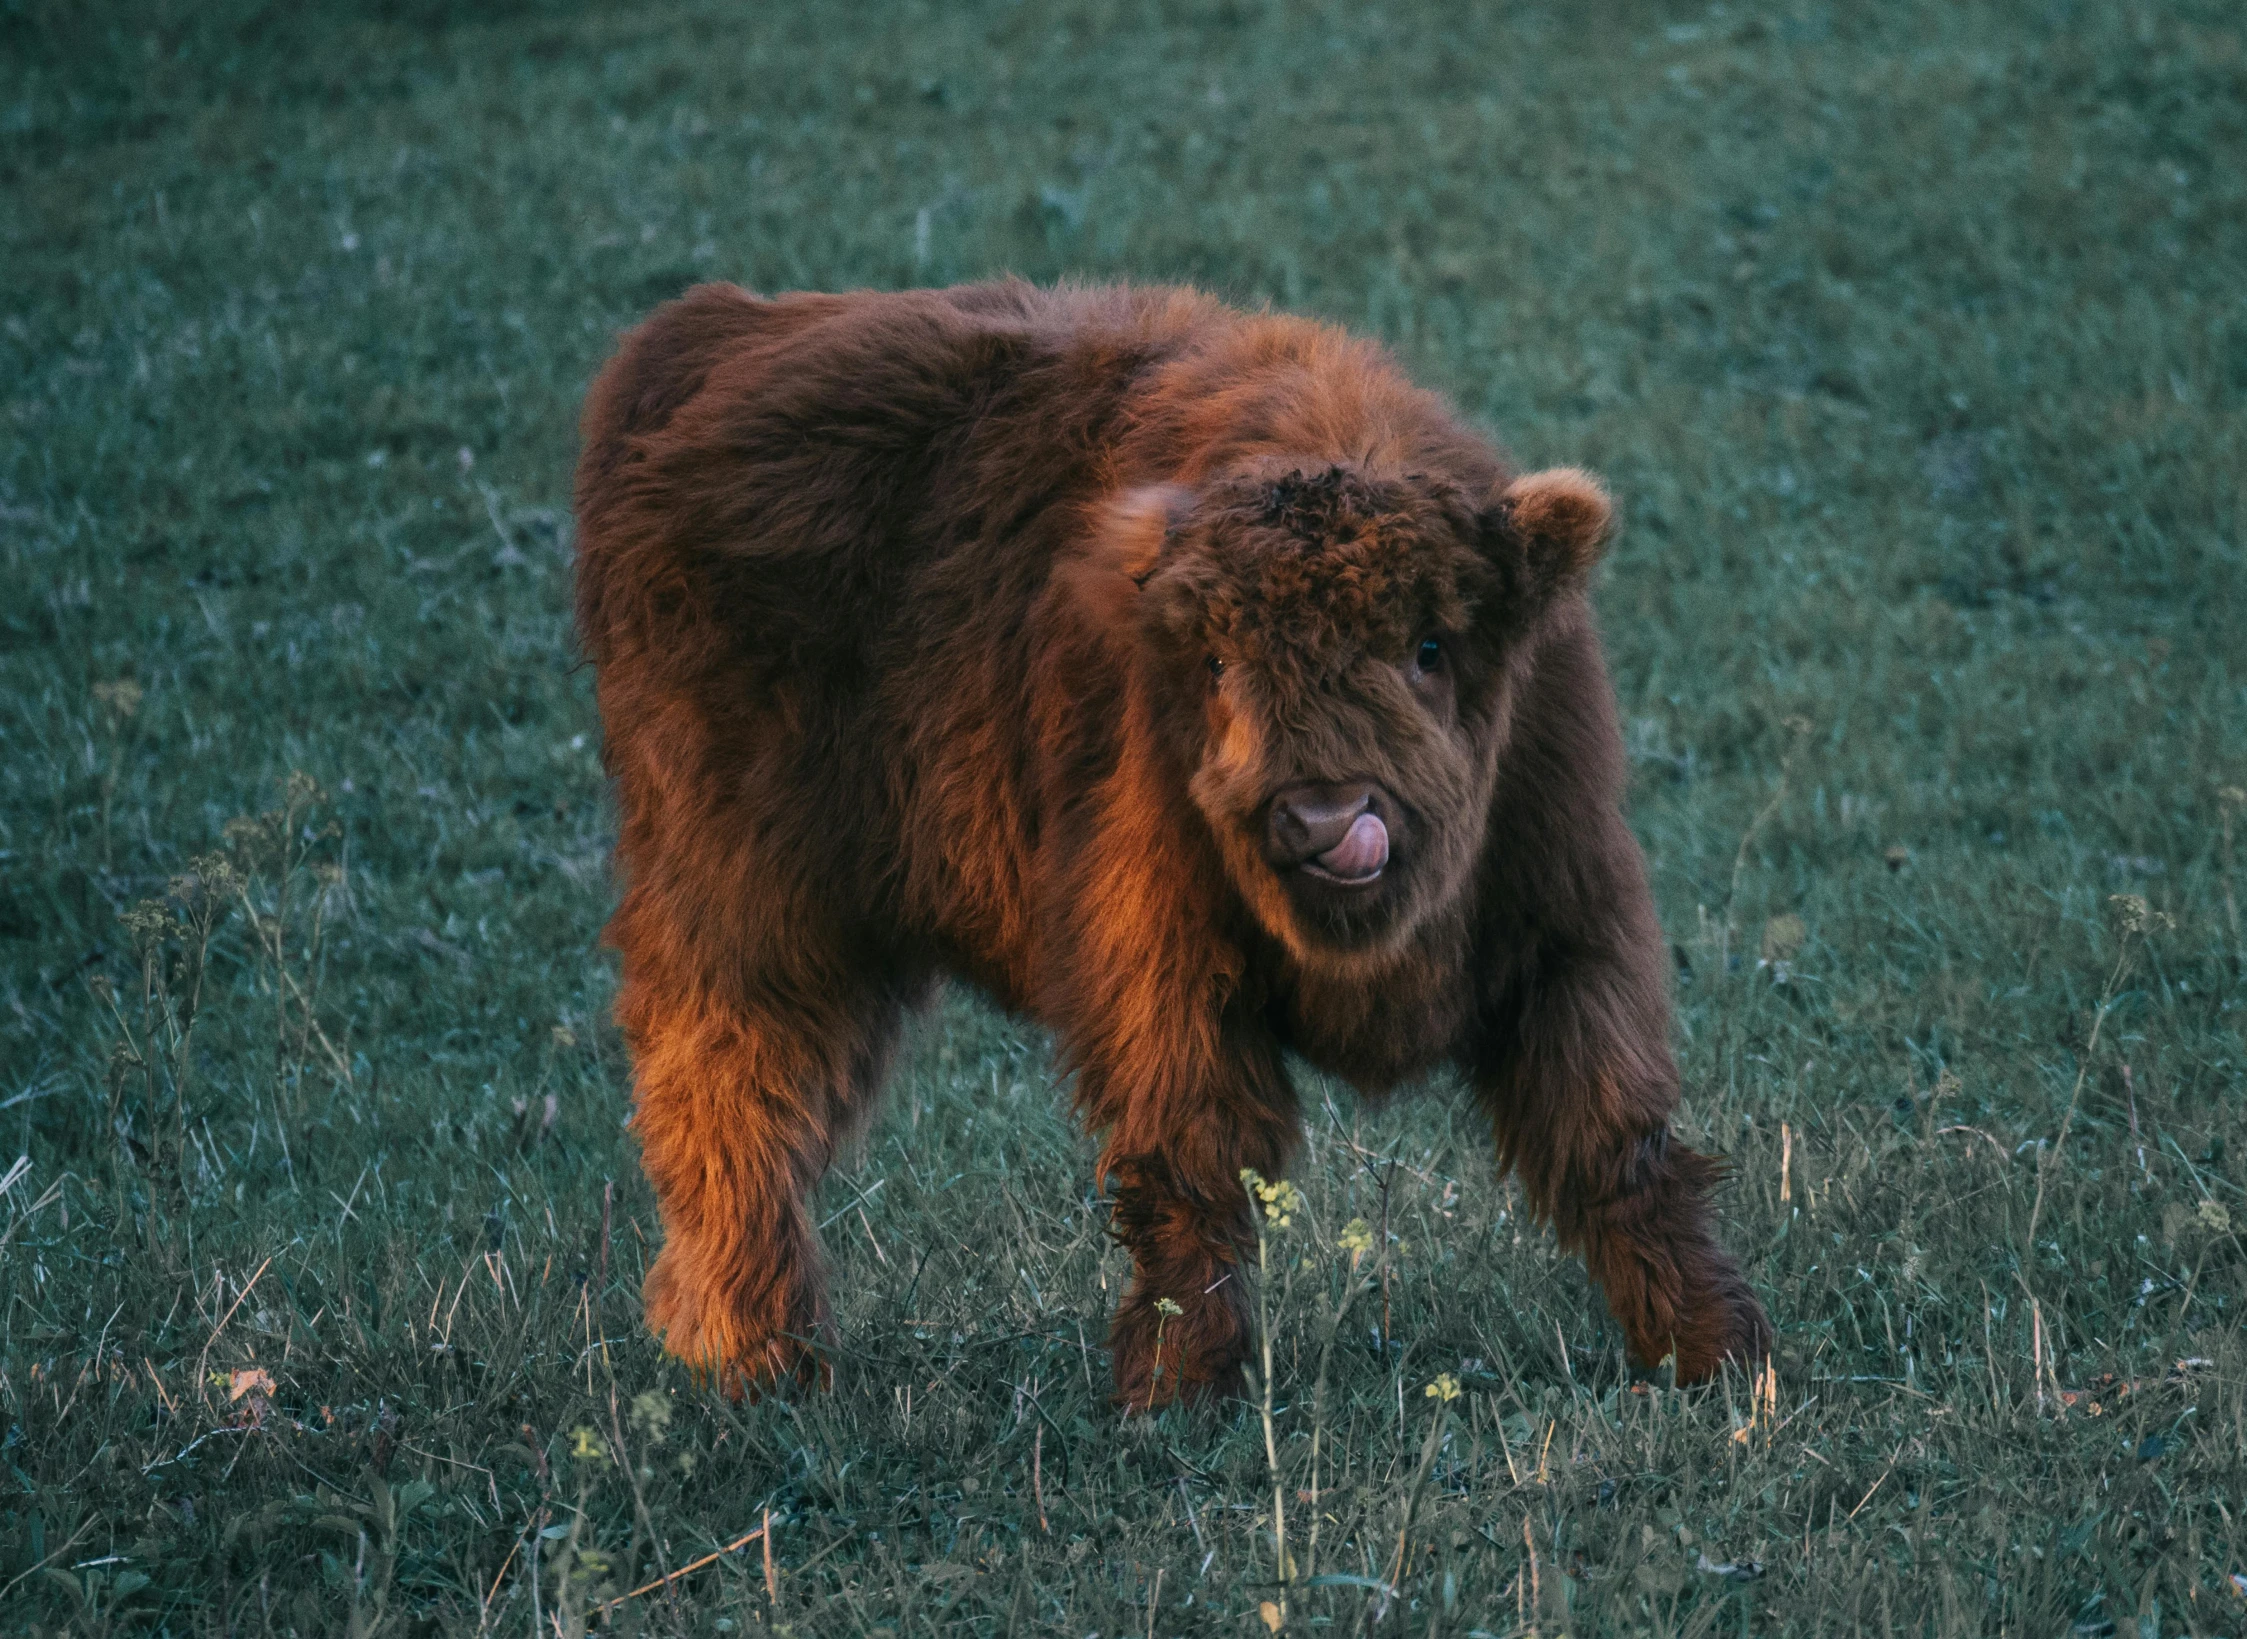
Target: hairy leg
{"points": [[1182, 1330], [1185, 1079], [1580, 1104], [1572, 1054], [1647, 1236], [738, 1111]]}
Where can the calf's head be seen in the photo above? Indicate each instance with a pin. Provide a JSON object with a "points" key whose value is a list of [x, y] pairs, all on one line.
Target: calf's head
{"points": [[1329, 653]]}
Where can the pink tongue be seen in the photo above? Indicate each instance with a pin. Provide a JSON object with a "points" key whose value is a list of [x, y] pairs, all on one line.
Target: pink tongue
{"points": [[1360, 854]]}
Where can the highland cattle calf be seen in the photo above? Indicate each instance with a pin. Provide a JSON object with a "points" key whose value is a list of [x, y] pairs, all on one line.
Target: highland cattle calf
{"points": [[1185, 679]]}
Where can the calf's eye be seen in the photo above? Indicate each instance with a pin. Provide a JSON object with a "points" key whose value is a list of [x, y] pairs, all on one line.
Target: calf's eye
{"points": [[1430, 655], [1216, 668]]}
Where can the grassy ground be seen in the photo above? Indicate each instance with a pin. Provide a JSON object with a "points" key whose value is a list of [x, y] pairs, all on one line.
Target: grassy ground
{"points": [[1911, 337]]}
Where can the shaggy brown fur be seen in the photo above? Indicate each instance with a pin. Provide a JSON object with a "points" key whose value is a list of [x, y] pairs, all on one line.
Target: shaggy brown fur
{"points": [[1187, 680]]}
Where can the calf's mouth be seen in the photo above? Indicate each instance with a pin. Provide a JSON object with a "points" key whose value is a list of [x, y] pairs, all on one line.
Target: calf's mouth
{"points": [[1335, 832]]}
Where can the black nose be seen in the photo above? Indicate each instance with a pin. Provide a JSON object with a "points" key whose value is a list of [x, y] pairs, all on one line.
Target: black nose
{"points": [[1310, 820]]}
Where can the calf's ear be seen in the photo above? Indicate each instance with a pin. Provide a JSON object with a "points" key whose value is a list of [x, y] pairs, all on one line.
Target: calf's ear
{"points": [[1138, 522], [1560, 521]]}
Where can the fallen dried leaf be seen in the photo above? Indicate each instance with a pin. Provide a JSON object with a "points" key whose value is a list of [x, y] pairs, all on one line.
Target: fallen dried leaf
{"points": [[253, 1380]]}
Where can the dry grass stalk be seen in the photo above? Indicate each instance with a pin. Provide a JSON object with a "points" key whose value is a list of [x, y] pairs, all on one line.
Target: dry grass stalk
{"points": [[761, 1533]]}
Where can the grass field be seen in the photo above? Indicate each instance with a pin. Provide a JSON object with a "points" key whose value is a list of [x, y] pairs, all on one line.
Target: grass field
{"points": [[1913, 339]]}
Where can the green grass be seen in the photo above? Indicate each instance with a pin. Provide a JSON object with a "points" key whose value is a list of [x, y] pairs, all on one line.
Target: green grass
{"points": [[1912, 338]]}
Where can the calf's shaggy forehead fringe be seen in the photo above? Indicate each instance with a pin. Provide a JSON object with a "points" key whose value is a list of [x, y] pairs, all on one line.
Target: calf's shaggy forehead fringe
{"points": [[1309, 569]]}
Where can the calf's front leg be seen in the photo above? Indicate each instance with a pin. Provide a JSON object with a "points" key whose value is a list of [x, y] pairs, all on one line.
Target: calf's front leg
{"points": [[1174, 1163], [1578, 1082]]}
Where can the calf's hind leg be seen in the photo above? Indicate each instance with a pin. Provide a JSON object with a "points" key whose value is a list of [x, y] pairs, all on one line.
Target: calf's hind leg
{"points": [[739, 1110]]}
